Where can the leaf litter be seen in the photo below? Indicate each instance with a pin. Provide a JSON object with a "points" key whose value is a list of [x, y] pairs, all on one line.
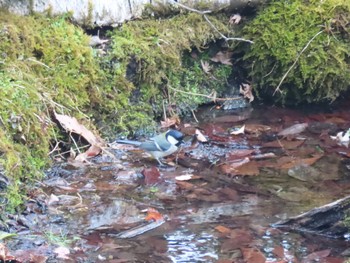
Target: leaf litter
{"points": [[198, 198]]}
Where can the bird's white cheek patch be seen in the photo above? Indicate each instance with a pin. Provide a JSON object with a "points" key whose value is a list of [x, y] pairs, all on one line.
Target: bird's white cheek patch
{"points": [[172, 140]]}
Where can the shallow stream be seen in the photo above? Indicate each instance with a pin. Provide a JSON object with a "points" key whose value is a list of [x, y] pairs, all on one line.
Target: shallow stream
{"points": [[218, 211]]}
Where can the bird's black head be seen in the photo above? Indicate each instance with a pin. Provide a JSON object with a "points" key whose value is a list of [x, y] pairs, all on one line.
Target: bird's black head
{"points": [[174, 134]]}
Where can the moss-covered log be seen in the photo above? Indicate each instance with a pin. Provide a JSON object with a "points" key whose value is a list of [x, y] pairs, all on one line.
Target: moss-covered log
{"points": [[331, 220]]}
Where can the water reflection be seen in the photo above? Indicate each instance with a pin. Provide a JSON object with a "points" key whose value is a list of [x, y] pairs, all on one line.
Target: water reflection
{"points": [[186, 246]]}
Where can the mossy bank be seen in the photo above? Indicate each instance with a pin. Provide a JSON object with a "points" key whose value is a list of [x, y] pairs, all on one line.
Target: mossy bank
{"points": [[48, 66], [301, 51], [152, 65]]}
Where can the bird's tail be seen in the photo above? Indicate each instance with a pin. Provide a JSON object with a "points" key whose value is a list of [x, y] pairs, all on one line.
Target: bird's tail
{"points": [[136, 143]]}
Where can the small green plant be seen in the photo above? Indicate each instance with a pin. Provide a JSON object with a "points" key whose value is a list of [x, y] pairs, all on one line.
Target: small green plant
{"points": [[59, 239]]}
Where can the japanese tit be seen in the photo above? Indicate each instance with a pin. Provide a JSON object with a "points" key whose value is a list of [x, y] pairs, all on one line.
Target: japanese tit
{"points": [[159, 146]]}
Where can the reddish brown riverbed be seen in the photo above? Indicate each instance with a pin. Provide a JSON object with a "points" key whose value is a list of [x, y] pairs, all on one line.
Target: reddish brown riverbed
{"points": [[233, 187]]}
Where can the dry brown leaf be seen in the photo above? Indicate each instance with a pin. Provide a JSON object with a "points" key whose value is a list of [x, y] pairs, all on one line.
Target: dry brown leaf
{"points": [[256, 128], [223, 58], [153, 215], [253, 255], [206, 67], [4, 253], [91, 152], [235, 19], [285, 144], [250, 168], [231, 167], [62, 252], [297, 161], [293, 130], [223, 229], [169, 122], [238, 154], [71, 124], [200, 137], [247, 91]]}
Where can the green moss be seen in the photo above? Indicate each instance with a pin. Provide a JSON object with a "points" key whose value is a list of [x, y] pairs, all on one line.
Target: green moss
{"points": [[155, 49], [282, 31], [47, 65]]}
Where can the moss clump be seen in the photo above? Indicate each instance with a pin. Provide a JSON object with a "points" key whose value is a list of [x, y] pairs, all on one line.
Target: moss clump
{"points": [[46, 65], [281, 31], [153, 50]]}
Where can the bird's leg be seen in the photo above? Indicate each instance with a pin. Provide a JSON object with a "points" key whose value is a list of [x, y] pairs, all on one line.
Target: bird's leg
{"points": [[160, 163]]}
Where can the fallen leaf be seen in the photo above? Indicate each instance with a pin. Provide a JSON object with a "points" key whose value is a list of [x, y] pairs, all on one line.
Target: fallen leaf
{"points": [[250, 168], [231, 167], [185, 185], [235, 19], [71, 124], [230, 193], [256, 128], [62, 252], [293, 130], [223, 229], [151, 175], [153, 215], [239, 131], [200, 137], [91, 152], [32, 255], [316, 256], [52, 199], [342, 138], [5, 254], [278, 251], [253, 255], [184, 177], [223, 58], [298, 161], [170, 122], [238, 154], [231, 118], [263, 156], [247, 91], [206, 67], [285, 144]]}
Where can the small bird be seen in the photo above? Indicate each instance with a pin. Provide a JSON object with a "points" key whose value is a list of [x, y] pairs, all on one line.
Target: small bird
{"points": [[159, 146]]}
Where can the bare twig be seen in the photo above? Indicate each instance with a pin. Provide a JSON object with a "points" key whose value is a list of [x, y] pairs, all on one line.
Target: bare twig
{"points": [[194, 116], [211, 96], [210, 23], [190, 9], [295, 62]]}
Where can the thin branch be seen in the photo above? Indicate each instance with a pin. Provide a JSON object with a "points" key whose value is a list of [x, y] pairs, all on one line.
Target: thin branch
{"points": [[210, 23], [190, 9], [295, 62], [211, 96]]}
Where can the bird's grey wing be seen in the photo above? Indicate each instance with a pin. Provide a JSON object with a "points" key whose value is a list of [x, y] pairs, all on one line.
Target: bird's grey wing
{"points": [[150, 146], [161, 142]]}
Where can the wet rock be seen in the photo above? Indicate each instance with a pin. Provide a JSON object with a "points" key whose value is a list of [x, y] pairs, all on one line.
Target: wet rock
{"points": [[304, 173], [320, 127]]}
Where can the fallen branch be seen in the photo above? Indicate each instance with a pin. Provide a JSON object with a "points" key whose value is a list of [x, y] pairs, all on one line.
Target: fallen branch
{"points": [[210, 23]]}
